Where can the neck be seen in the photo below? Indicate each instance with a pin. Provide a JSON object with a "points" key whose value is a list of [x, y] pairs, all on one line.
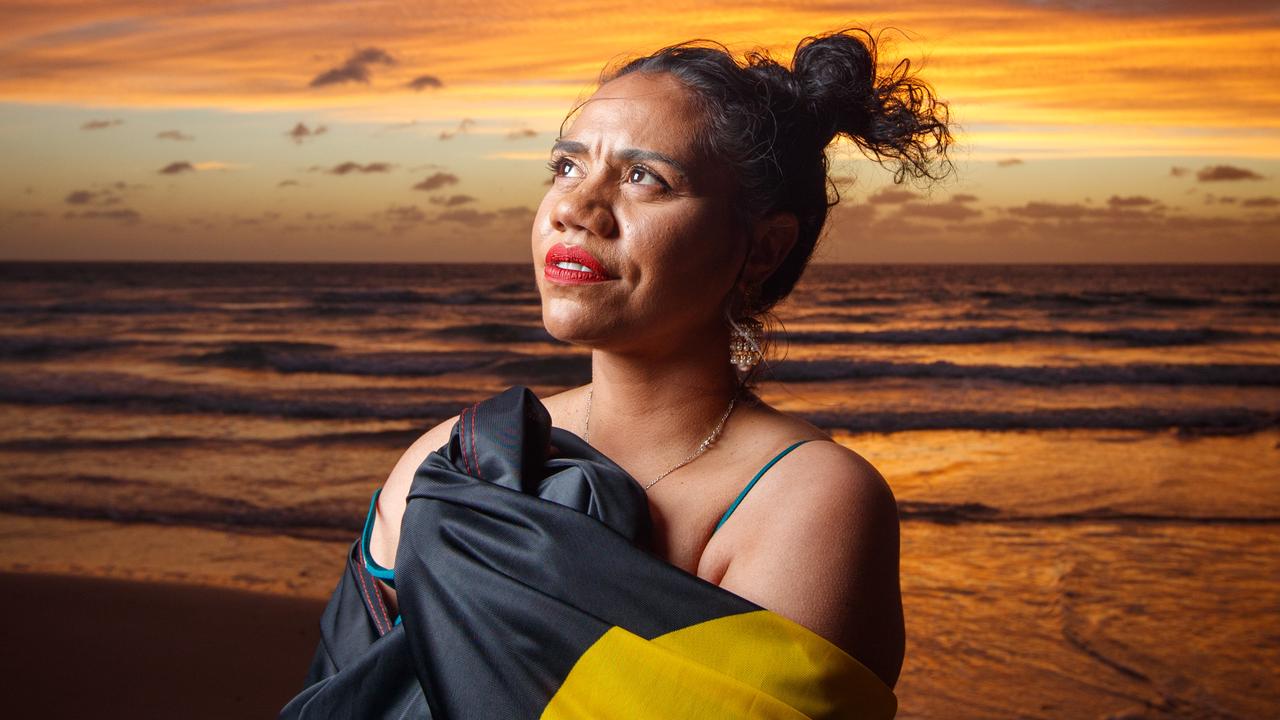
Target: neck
{"points": [[665, 400]]}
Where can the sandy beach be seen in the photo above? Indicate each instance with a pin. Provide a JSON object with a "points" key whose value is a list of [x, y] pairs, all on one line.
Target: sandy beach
{"points": [[88, 647]]}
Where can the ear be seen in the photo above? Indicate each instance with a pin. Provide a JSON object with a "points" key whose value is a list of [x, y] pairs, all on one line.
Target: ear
{"points": [[774, 236]]}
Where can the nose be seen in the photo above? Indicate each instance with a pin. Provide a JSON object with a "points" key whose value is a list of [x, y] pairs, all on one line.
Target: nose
{"points": [[584, 207]]}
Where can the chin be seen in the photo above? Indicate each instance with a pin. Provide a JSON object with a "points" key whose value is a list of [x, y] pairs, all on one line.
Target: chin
{"points": [[563, 320], [568, 321]]}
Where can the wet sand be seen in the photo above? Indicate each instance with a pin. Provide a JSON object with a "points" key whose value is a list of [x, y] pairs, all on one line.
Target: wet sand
{"points": [[90, 647]]}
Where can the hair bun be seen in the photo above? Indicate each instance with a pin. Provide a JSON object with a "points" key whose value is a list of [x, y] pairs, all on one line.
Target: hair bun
{"points": [[836, 74], [892, 116]]}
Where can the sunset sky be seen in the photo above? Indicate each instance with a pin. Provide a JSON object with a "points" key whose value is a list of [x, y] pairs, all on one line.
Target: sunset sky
{"points": [[1087, 131]]}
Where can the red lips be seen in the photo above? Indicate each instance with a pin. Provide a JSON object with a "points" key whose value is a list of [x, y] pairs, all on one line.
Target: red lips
{"points": [[575, 254]]}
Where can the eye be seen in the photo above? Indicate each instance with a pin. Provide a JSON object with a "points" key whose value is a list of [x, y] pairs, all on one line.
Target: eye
{"points": [[559, 165], [642, 170]]}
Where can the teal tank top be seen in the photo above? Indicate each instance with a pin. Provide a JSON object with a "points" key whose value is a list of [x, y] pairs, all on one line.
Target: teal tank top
{"points": [[388, 575]]}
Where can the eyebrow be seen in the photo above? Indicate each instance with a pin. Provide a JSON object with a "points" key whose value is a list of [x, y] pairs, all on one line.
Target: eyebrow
{"points": [[628, 154]]}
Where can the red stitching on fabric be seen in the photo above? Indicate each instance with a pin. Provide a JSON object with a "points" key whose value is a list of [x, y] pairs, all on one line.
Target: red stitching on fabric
{"points": [[364, 589], [474, 412], [377, 591], [466, 461]]}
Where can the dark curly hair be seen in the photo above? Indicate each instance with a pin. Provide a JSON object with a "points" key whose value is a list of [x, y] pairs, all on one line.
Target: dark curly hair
{"points": [[772, 125]]}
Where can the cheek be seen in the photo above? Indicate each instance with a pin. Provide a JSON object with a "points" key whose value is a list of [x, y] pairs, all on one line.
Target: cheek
{"points": [[687, 256], [538, 243], [541, 224]]}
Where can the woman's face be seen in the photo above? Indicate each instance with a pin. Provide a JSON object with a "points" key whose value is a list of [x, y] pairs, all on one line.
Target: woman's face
{"points": [[630, 189]]}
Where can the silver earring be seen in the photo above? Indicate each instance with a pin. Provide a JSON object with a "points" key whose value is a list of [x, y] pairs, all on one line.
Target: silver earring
{"points": [[744, 346]]}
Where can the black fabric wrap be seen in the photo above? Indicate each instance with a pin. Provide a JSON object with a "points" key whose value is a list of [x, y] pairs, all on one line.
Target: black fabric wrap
{"points": [[512, 561]]}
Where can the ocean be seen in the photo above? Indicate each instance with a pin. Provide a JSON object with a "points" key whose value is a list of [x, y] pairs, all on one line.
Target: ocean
{"points": [[1086, 457]]}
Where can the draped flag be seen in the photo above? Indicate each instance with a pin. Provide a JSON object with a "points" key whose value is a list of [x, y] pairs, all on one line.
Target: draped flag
{"points": [[525, 590]]}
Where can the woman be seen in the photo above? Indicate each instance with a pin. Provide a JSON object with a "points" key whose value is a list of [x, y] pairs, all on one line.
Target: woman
{"points": [[687, 197]]}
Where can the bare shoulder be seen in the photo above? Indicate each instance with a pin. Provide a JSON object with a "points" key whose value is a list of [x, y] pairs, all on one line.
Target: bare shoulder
{"points": [[823, 489], [838, 479], [821, 481], [401, 476], [391, 501], [825, 554]]}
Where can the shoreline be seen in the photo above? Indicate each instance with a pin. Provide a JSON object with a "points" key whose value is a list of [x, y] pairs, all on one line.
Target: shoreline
{"points": [[78, 646]]}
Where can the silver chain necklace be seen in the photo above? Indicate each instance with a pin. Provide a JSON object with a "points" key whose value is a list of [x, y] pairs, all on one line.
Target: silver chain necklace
{"points": [[706, 443]]}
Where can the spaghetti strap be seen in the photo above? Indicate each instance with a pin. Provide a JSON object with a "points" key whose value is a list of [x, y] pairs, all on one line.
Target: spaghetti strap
{"points": [[385, 574], [751, 484]]}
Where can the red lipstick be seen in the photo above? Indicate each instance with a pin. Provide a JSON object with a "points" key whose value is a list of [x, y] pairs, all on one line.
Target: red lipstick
{"points": [[561, 253]]}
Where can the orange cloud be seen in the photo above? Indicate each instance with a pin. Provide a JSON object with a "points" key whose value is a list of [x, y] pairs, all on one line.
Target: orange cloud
{"points": [[1030, 83], [1074, 71]]}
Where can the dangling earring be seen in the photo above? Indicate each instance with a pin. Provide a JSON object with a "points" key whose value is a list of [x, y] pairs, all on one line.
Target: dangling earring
{"points": [[744, 347], [744, 344]]}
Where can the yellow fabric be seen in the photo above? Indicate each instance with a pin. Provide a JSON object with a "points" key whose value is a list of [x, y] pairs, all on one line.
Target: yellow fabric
{"points": [[749, 665]]}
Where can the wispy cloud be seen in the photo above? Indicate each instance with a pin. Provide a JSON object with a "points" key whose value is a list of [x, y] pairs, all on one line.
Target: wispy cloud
{"points": [[463, 126], [101, 124], [1050, 210], [185, 166], [950, 211], [174, 135], [435, 181], [890, 196], [451, 200], [1265, 9], [466, 216], [176, 168], [355, 68], [1053, 231], [516, 214], [301, 132], [1219, 173], [424, 81], [349, 167], [126, 215], [1130, 201], [404, 214]]}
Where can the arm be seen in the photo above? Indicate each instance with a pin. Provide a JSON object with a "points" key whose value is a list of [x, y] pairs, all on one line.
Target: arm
{"points": [[391, 502], [826, 556]]}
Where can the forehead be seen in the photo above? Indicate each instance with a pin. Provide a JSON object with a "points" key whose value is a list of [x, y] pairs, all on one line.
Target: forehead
{"points": [[649, 110]]}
